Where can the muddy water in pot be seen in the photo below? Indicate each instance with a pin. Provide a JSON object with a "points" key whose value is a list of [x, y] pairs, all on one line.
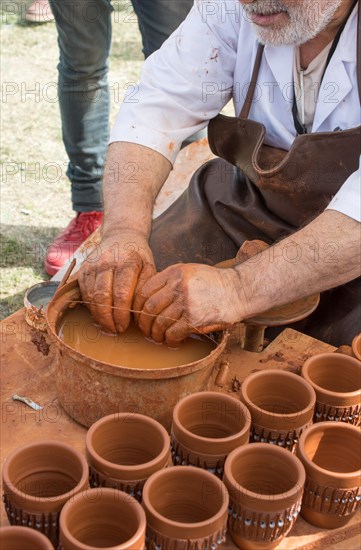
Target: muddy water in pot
{"points": [[129, 349], [90, 388]]}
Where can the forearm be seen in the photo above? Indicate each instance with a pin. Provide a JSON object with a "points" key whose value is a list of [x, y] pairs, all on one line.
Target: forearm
{"points": [[320, 256], [133, 176]]}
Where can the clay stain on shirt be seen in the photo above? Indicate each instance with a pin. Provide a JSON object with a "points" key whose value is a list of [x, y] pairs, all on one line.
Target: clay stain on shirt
{"points": [[214, 56]]}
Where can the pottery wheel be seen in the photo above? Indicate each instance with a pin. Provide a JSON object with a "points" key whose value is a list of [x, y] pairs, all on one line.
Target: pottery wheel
{"points": [[275, 317], [288, 313], [280, 315]]}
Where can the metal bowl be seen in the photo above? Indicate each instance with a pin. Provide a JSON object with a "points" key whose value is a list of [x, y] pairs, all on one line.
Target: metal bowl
{"points": [[36, 300]]}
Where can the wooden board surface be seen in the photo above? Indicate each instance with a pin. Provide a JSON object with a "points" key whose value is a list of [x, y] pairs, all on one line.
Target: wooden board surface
{"points": [[26, 371]]}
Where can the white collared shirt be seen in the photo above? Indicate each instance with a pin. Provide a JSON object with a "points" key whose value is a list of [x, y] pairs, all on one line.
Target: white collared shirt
{"points": [[208, 60]]}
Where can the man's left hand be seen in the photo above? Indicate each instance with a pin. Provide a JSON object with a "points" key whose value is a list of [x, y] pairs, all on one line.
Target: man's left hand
{"points": [[186, 298]]}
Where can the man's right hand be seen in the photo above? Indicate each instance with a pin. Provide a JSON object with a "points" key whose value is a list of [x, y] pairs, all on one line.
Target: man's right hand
{"points": [[111, 274], [123, 262]]}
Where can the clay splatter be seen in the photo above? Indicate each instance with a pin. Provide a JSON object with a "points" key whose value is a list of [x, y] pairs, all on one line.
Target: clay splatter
{"points": [[236, 384], [39, 341], [214, 56]]}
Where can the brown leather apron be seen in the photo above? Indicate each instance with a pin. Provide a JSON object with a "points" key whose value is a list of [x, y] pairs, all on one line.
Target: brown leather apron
{"points": [[259, 192]]}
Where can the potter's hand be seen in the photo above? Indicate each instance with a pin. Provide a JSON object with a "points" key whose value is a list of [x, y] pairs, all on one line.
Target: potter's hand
{"points": [[110, 275], [187, 296]]}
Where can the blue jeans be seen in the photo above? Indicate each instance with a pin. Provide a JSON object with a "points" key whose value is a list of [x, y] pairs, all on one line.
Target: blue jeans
{"points": [[84, 38]]}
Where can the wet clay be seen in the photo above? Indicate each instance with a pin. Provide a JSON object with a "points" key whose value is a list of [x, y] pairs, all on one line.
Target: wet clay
{"points": [[281, 405], [129, 349], [330, 453], [336, 379], [265, 483], [356, 346], [102, 519], [17, 538], [206, 427], [186, 509], [38, 479]]}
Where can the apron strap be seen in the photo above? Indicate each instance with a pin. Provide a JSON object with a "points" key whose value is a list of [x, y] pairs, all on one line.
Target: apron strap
{"points": [[300, 129], [252, 85], [338, 35]]}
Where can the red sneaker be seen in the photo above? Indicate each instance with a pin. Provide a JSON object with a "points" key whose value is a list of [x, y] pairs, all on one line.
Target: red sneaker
{"points": [[69, 240]]}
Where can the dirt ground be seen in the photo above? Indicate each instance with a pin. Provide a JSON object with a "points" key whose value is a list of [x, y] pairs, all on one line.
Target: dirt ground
{"points": [[35, 192]]}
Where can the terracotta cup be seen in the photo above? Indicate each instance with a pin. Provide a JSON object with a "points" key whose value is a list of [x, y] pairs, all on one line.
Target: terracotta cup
{"points": [[336, 379], [124, 449], [102, 518], [186, 509], [356, 346], [23, 538], [281, 405], [330, 453], [265, 484], [38, 479], [206, 427]]}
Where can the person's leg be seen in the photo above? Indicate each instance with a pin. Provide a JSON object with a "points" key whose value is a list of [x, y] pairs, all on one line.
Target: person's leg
{"points": [[84, 37], [157, 19]]}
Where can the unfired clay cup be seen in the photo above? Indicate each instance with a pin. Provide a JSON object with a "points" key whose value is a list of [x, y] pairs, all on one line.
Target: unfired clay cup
{"points": [[265, 484], [336, 379], [356, 346], [206, 427], [23, 538], [281, 405], [330, 453], [124, 449], [38, 480], [186, 509], [102, 518]]}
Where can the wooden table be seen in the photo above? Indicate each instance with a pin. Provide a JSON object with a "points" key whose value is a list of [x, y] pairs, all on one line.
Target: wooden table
{"points": [[27, 372]]}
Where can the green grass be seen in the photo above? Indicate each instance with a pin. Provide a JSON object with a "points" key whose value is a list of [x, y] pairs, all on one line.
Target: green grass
{"points": [[34, 208]]}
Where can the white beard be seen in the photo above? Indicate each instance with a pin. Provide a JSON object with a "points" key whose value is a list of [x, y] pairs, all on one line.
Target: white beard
{"points": [[305, 20]]}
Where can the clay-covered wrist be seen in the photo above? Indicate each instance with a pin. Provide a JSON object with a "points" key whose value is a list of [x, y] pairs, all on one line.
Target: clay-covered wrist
{"points": [[121, 231], [234, 304]]}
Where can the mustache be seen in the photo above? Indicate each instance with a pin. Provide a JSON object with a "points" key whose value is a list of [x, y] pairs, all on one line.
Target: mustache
{"points": [[263, 7]]}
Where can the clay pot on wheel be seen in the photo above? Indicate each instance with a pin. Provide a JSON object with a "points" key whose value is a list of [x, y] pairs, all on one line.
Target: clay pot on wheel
{"points": [[206, 427], [336, 379], [281, 406], [124, 449], [21, 538], [186, 509], [265, 484], [38, 480], [330, 453], [102, 518], [97, 387], [356, 346]]}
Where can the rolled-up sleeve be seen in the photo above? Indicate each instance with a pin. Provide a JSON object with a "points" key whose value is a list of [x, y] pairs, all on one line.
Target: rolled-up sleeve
{"points": [[348, 198], [185, 83]]}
